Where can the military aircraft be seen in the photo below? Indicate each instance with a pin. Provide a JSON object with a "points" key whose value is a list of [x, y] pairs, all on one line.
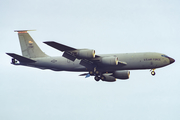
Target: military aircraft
{"points": [[106, 67]]}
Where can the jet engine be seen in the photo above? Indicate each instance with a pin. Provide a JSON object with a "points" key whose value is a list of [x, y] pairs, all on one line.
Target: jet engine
{"points": [[86, 53], [108, 78], [110, 60], [121, 74]]}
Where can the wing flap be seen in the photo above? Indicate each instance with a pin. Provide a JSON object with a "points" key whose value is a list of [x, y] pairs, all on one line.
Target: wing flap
{"points": [[87, 63], [69, 56]]}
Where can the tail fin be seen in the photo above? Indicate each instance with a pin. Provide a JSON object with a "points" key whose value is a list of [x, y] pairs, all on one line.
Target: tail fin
{"points": [[29, 47]]}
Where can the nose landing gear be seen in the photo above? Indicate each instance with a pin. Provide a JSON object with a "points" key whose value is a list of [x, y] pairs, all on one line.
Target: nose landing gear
{"points": [[153, 72]]}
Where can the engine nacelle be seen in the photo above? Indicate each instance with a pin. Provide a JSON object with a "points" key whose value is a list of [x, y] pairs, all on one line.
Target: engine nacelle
{"points": [[110, 60], [86, 53], [121, 74], [108, 78]]}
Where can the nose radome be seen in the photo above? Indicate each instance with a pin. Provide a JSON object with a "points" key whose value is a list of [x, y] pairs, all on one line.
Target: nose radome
{"points": [[171, 60]]}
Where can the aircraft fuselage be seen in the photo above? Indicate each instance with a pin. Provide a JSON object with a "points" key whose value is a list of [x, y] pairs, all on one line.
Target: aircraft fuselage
{"points": [[147, 60]]}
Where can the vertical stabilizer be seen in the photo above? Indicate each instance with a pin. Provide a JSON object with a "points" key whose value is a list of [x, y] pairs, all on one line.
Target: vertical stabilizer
{"points": [[29, 47]]}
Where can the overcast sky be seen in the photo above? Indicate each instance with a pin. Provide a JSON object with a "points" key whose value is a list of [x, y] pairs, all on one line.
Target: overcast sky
{"points": [[108, 26]]}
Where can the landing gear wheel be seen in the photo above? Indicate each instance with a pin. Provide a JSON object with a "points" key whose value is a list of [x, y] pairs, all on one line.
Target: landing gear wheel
{"points": [[153, 73], [97, 78]]}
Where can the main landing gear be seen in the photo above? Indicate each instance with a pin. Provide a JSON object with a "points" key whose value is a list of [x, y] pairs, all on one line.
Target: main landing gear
{"points": [[97, 78], [153, 72], [95, 73]]}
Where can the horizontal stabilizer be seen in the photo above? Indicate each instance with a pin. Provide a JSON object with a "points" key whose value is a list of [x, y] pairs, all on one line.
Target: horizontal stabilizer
{"points": [[20, 58], [59, 46]]}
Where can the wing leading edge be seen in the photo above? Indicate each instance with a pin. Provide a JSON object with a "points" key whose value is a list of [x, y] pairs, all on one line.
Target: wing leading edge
{"points": [[59, 46]]}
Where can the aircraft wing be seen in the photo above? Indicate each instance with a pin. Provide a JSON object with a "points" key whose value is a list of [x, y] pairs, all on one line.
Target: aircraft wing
{"points": [[72, 54], [59, 46]]}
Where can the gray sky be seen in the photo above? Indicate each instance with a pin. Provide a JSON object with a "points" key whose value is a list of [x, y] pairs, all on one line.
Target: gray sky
{"points": [[115, 26]]}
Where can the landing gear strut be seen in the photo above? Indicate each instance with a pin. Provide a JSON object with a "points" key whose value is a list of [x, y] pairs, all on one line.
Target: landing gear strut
{"points": [[153, 72], [97, 72], [94, 72]]}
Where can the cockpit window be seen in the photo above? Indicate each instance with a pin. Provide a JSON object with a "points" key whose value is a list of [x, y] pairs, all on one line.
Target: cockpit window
{"points": [[165, 56]]}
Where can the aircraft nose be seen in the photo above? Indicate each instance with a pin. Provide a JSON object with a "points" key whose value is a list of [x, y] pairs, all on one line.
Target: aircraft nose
{"points": [[171, 60]]}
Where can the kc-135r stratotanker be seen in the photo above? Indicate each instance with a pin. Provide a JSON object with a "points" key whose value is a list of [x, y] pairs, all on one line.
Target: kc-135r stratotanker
{"points": [[106, 67]]}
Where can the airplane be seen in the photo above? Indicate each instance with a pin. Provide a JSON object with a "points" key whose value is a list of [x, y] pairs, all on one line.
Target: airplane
{"points": [[105, 67]]}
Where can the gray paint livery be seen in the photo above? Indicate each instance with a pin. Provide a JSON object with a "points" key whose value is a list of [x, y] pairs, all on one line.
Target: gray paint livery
{"points": [[134, 61], [72, 61]]}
